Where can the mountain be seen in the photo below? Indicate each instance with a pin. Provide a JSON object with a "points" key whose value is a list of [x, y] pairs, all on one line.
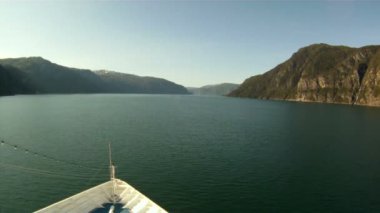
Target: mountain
{"points": [[39, 75], [12, 81], [127, 83], [321, 73], [217, 89]]}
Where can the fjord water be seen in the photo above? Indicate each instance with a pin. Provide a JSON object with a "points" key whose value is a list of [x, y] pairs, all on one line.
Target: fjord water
{"points": [[192, 153]]}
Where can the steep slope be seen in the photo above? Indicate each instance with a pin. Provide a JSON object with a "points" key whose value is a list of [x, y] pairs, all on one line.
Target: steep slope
{"points": [[127, 83], [217, 89], [13, 81], [321, 73], [47, 77]]}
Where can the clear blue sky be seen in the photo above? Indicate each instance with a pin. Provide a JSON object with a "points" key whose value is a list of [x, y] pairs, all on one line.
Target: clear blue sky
{"points": [[192, 43]]}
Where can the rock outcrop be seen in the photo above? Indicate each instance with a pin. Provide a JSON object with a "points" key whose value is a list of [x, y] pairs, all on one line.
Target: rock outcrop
{"points": [[321, 73]]}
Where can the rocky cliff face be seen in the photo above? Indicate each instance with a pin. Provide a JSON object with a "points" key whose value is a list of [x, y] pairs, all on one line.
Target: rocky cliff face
{"points": [[321, 73]]}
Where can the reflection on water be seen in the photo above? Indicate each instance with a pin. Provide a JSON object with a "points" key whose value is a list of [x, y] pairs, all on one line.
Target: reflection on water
{"points": [[193, 153]]}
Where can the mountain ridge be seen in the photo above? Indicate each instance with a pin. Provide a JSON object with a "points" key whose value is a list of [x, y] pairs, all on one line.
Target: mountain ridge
{"points": [[213, 89], [45, 77], [321, 73]]}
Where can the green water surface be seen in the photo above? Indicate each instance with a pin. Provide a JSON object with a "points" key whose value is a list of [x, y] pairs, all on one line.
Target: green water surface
{"points": [[192, 153]]}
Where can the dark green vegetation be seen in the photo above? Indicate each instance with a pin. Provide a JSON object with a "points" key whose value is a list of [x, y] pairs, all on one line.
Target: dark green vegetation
{"points": [[12, 81], [37, 75], [218, 89], [321, 73]]}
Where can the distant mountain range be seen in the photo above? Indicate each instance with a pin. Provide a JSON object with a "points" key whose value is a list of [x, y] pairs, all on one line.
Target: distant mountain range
{"points": [[217, 89], [321, 73], [35, 75], [316, 73]]}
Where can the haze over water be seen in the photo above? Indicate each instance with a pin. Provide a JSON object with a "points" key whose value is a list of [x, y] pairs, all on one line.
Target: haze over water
{"points": [[193, 153]]}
